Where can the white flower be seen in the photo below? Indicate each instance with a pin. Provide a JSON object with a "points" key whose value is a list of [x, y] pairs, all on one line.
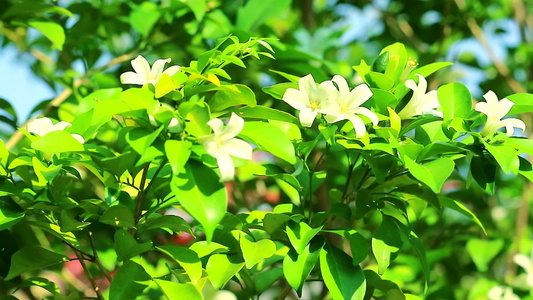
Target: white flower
{"points": [[495, 111], [526, 263], [222, 144], [43, 126], [144, 74], [310, 99], [502, 293], [349, 105], [421, 102]]}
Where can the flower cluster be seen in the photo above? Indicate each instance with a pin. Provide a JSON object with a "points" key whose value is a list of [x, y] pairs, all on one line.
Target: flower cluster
{"points": [[335, 104], [421, 102]]}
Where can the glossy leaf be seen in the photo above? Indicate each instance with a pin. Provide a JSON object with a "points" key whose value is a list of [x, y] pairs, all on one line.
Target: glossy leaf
{"points": [[52, 31], [300, 234], [57, 142], [433, 173], [221, 268], [118, 216], [270, 138], [32, 258], [178, 153], [127, 247], [297, 267], [342, 278], [200, 193], [178, 291], [129, 282], [255, 252], [455, 100], [386, 242], [227, 98]]}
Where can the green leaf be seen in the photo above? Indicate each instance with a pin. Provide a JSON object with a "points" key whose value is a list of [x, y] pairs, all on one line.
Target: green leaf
{"points": [[188, 260], [178, 291], [203, 248], [32, 258], [55, 230], [460, 208], [483, 171], [483, 251], [118, 216], [255, 252], [342, 278], [386, 241], [300, 234], [10, 213], [256, 12], [140, 138], [52, 31], [197, 116], [57, 142], [143, 17], [127, 247], [297, 267], [41, 282], [202, 195], [277, 91], [170, 223], [425, 71], [379, 80], [178, 153], [198, 8], [433, 173], [229, 98], [397, 61], [221, 267], [266, 113], [506, 156], [164, 85], [265, 279], [380, 64], [359, 247], [129, 282], [270, 138], [455, 100], [523, 102]]}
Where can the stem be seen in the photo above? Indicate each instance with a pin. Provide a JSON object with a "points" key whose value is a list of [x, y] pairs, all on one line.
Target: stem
{"points": [[348, 179], [286, 291], [96, 260], [162, 164], [140, 196], [89, 275]]}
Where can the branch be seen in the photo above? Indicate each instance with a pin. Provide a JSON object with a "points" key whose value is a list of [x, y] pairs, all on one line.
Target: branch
{"points": [[480, 36], [89, 275], [18, 135]]}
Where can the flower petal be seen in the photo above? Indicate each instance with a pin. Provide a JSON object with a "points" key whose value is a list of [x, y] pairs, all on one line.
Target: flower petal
{"points": [[358, 125], [60, 126], [141, 67], [238, 148], [297, 99], [523, 261], [307, 116], [323, 92], [78, 137], [40, 126], [217, 125], [157, 68], [511, 123], [491, 97], [226, 167], [307, 84], [234, 127], [359, 95], [210, 144], [368, 113], [342, 84], [172, 70], [132, 78]]}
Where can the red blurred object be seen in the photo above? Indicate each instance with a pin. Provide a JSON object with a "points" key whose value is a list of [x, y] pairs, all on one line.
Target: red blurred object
{"points": [[184, 240], [74, 267]]}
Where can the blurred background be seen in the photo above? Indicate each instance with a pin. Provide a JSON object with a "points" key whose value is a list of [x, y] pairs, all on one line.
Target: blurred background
{"points": [[62, 50]]}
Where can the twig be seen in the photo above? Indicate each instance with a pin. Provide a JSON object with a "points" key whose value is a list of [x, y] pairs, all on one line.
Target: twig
{"points": [[96, 260], [480, 36], [89, 276], [286, 291]]}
